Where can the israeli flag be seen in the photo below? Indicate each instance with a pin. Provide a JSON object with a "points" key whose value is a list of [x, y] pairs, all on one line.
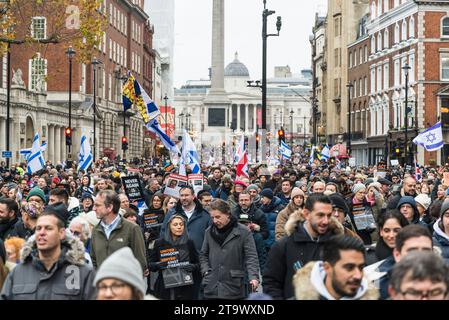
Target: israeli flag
{"points": [[156, 128], [189, 156], [85, 155], [36, 160], [311, 155], [285, 150], [325, 153], [431, 139], [26, 152]]}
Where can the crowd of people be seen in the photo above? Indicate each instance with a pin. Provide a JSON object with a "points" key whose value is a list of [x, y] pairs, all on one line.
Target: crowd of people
{"points": [[296, 231]]}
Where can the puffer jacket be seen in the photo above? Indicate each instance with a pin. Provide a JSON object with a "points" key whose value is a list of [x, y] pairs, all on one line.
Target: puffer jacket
{"points": [[69, 279], [271, 212], [282, 219], [441, 240], [293, 252]]}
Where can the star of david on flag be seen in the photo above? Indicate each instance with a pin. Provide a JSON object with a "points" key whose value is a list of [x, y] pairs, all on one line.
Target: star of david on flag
{"points": [[431, 139]]}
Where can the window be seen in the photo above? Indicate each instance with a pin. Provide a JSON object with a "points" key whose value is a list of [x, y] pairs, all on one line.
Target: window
{"points": [[386, 39], [373, 80], [111, 8], [386, 5], [444, 66], [403, 62], [365, 54], [396, 72], [109, 87], [445, 27], [216, 117], [373, 10], [386, 76], [38, 71], [38, 28], [404, 31], [379, 41], [379, 78], [110, 49], [360, 88], [337, 57], [355, 58], [396, 34], [126, 26], [365, 86], [360, 56], [337, 22], [411, 27], [350, 59], [373, 44], [354, 86], [411, 59], [379, 8]]}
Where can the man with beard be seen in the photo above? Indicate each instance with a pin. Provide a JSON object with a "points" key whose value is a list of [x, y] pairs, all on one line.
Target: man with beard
{"points": [[8, 218], [339, 276], [307, 232], [408, 189], [215, 180], [254, 218], [228, 256]]}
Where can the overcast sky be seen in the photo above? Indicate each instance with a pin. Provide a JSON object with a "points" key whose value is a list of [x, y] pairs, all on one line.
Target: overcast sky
{"points": [[243, 31]]}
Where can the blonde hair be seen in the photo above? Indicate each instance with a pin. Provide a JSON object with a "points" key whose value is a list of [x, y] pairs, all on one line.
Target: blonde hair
{"points": [[15, 242]]}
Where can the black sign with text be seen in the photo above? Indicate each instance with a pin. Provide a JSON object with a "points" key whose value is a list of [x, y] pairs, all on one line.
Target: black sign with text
{"points": [[133, 188]]}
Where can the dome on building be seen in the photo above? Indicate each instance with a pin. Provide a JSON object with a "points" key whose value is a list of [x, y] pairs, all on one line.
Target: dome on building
{"points": [[236, 68]]}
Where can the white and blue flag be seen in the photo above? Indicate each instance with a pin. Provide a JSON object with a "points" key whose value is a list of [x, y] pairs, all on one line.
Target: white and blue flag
{"points": [[85, 155], [431, 139], [156, 128], [189, 156], [325, 153], [36, 160], [26, 152], [285, 150], [311, 155]]}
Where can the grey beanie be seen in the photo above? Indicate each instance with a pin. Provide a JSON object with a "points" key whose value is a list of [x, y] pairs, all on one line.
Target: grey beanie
{"points": [[357, 187], [252, 187], [122, 265], [444, 207]]}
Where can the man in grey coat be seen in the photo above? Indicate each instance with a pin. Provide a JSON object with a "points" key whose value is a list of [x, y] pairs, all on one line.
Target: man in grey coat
{"points": [[53, 265], [228, 256]]}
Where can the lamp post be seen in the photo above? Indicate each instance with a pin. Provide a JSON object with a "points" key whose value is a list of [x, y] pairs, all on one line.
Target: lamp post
{"points": [[70, 54], [121, 79], [314, 122], [8, 98], [95, 63], [348, 146], [406, 69], [266, 13], [291, 129]]}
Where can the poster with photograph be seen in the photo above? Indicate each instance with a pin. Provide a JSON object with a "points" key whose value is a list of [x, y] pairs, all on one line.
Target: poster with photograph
{"points": [[196, 181], [174, 184]]}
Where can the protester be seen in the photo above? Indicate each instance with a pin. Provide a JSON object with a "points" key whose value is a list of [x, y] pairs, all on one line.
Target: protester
{"points": [[296, 203], [228, 256], [338, 276], [419, 276], [271, 206], [361, 213], [13, 245], [9, 218], [441, 231]]}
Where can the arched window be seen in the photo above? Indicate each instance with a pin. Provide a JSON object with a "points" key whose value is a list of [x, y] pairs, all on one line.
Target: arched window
{"points": [[373, 44], [404, 31], [386, 39], [379, 41], [396, 34], [412, 27], [445, 27], [386, 5], [373, 10], [379, 8]]}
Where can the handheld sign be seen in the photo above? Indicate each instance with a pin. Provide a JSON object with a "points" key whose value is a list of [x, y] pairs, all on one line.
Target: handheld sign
{"points": [[133, 188], [446, 178], [196, 181], [174, 184]]}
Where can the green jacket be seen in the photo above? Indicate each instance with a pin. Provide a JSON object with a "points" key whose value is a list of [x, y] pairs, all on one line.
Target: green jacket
{"points": [[126, 234]]}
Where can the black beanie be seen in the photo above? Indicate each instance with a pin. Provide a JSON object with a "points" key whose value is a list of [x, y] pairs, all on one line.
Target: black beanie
{"points": [[60, 210], [339, 202]]}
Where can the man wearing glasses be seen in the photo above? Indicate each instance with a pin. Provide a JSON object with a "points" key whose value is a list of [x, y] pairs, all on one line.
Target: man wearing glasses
{"points": [[420, 276]]}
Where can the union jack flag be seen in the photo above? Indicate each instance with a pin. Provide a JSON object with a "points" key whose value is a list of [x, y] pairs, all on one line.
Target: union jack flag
{"points": [[418, 175]]}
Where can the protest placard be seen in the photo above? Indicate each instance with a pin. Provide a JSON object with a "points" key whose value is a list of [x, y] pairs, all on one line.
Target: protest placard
{"points": [[133, 188], [196, 181], [174, 184]]}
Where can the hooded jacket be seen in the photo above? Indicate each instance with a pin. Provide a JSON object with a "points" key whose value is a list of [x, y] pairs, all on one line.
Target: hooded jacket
{"points": [[441, 240], [196, 225], [271, 211], [293, 252], [309, 285], [69, 278], [404, 200]]}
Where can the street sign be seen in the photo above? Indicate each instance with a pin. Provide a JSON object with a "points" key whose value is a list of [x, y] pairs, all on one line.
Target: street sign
{"points": [[6, 154]]}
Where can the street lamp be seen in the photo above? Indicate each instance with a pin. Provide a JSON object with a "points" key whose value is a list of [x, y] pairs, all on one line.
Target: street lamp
{"points": [[266, 13], [70, 54], [122, 78], [95, 62], [291, 128], [406, 69], [348, 146]]}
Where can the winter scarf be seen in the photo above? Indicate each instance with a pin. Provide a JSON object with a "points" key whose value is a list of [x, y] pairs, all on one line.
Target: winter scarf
{"points": [[382, 250], [220, 235]]}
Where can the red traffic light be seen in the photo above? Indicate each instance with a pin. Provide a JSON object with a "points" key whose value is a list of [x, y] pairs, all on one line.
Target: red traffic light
{"points": [[124, 139], [257, 137], [68, 132]]}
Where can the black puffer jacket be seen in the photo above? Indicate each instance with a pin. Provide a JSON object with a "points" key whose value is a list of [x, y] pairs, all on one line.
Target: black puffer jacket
{"points": [[254, 215]]}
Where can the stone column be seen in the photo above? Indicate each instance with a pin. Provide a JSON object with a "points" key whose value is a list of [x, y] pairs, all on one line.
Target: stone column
{"points": [[238, 117], [57, 142], [246, 118], [63, 145], [218, 31], [50, 143], [255, 117], [2, 134]]}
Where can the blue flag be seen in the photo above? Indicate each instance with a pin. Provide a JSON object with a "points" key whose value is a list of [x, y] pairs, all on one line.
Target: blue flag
{"points": [[36, 160], [85, 155], [431, 139]]}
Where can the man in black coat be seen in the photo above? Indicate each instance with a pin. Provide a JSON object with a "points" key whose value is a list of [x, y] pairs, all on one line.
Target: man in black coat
{"points": [[306, 234], [8, 218], [408, 189], [247, 213]]}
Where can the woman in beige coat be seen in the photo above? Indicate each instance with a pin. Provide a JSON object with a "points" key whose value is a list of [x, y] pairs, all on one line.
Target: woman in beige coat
{"points": [[296, 203]]}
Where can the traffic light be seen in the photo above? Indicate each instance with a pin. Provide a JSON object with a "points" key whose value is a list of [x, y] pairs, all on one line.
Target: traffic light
{"points": [[124, 143], [68, 136], [257, 140], [281, 135]]}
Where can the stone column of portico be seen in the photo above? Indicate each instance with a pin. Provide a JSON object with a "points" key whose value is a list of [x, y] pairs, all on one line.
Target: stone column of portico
{"points": [[246, 118], [51, 143], [57, 142], [238, 117]]}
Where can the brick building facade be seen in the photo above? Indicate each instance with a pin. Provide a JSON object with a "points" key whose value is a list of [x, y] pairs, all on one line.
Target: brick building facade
{"points": [[40, 95]]}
